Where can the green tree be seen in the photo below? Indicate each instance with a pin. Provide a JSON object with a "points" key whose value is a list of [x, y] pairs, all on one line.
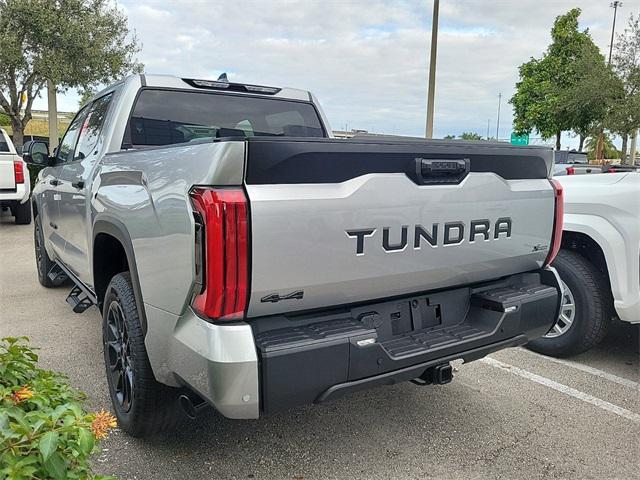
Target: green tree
{"points": [[538, 101], [470, 136], [609, 149], [4, 119], [588, 101], [85, 95], [624, 114], [72, 43]]}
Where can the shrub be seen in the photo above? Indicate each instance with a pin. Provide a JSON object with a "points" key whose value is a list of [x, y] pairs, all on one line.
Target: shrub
{"points": [[44, 431]]}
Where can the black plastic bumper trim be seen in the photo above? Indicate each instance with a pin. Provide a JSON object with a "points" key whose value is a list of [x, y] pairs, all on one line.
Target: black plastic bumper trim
{"points": [[409, 373]]}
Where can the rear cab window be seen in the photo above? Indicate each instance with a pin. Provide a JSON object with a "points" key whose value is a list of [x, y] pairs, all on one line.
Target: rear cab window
{"points": [[4, 143], [165, 117]]}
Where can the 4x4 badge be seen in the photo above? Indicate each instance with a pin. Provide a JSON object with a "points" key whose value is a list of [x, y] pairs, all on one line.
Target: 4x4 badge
{"points": [[275, 297]]}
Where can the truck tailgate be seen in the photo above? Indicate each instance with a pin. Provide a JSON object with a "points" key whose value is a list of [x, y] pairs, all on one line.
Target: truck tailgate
{"points": [[339, 222], [7, 179]]}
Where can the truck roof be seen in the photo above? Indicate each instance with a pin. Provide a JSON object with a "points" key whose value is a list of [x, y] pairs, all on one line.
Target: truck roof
{"points": [[171, 81]]}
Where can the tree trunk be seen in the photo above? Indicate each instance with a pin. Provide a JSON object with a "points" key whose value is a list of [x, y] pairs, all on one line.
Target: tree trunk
{"points": [[623, 152], [558, 140], [581, 144], [18, 132], [600, 148]]}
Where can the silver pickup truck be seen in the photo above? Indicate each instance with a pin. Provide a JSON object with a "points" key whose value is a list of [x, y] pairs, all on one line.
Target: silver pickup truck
{"points": [[242, 258]]}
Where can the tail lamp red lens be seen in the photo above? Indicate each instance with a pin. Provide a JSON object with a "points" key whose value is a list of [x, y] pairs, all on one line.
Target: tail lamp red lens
{"points": [[556, 239], [222, 249], [18, 171], [571, 171]]}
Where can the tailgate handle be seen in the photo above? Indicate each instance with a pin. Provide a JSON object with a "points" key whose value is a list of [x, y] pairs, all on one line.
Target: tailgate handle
{"points": [[438, 171]]}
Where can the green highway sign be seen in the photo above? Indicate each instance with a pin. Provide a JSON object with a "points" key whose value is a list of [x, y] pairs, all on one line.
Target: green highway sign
{"points": [[519, 139]]}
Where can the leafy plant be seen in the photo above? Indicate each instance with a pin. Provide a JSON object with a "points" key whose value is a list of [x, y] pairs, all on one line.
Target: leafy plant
{"points": [[44, 431]]}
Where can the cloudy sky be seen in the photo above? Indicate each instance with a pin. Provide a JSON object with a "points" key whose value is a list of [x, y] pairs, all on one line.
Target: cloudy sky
{"points": [[365, 60]]}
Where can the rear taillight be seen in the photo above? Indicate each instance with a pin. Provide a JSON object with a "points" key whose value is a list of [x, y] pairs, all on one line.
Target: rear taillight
{"points": [[18, 171], [571, 171], [556, 238], [222, 249]]}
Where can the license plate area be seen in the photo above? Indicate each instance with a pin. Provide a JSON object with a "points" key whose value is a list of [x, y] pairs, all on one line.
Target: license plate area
{"points": [[405, 316]]}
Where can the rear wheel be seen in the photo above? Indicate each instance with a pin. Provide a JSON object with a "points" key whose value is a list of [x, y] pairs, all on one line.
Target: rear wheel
{"points": [[22, 213], [142, 405], [586, 309], [43, 263]]}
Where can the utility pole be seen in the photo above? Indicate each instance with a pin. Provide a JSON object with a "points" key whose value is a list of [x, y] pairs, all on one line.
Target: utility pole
{"points": [[53, 116], [600, 144], [498, 122], [615, 6], [432, 69], [634, 144], [488, 125]]}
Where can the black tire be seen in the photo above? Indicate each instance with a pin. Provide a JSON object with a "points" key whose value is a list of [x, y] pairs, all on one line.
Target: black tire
{"points": [[142, 405], [43, 263], [593, 307], [22, 213]]}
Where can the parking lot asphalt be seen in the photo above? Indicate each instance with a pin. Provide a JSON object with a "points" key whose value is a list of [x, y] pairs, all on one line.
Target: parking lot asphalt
{"points": [[515, 414]]}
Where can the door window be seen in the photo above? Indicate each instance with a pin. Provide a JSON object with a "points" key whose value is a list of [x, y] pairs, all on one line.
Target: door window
{"points": [[67, 145], [91, 127]]}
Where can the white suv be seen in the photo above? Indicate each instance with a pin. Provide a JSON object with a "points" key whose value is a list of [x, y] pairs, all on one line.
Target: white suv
{"points": [[14, 181]]}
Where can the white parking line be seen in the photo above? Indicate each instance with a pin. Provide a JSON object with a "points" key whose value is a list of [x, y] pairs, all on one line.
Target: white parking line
{"points": [[587, 369], [572, 392]]}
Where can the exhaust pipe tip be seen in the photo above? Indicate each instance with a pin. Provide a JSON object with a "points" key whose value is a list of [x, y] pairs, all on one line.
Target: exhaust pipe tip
{"points": [[187, 406]]}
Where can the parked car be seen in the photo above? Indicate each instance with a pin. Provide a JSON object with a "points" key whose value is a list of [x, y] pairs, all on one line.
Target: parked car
{"points": [[598, 263], [572, 162], [617, 168], [14, 181], [241, 256]]}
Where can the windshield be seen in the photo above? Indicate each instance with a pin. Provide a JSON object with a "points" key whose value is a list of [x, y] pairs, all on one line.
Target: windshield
{"points": [[162, 117]]}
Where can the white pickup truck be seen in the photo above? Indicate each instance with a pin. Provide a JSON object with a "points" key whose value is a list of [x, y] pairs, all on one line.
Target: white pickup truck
{"points": [[599, 260], [14, 181]]}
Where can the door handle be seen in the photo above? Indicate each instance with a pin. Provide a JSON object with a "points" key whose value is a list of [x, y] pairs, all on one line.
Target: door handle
{"points": [[54, 182], [79, 184]]}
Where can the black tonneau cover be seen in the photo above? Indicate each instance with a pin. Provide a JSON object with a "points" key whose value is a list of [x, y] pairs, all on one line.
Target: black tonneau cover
{"points": [[286, 160]]}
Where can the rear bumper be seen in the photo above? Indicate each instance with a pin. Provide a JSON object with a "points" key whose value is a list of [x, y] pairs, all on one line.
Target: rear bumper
{"points": [[18, 195], [280, 362]]}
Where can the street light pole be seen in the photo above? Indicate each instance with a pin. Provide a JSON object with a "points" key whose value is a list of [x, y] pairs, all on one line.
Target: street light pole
{"points": [[615, 6], [498, 121], [600, 144], [432, 69]]}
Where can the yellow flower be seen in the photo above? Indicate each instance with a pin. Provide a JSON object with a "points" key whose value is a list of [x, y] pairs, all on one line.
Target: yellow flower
{"points": [[102, 423], [24, 393]]}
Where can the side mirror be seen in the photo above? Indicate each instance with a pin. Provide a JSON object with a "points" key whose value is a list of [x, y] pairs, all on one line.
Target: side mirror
{"points": [[36, 152]]}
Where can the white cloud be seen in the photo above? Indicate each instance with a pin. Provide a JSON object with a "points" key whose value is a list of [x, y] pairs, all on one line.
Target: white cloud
{"points": [[365, 60]]}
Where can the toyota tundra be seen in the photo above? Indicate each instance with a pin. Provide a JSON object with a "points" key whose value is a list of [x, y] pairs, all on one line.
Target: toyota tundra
{"points": [[243, 258]]}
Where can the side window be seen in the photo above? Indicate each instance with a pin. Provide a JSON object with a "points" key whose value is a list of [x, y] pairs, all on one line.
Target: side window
{"points": [[91, 127], [67, 145]]}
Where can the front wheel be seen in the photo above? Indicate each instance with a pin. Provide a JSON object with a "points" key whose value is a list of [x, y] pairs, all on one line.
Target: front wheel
{"points": [[43, 263], [142, 405], [586, 308]]}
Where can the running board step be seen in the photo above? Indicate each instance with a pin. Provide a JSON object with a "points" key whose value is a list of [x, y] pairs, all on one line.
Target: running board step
{"points": [[57, 275], [78, 300]]}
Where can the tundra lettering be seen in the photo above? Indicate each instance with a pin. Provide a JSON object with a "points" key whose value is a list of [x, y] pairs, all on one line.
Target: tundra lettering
{"points": [[453, 234]]}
